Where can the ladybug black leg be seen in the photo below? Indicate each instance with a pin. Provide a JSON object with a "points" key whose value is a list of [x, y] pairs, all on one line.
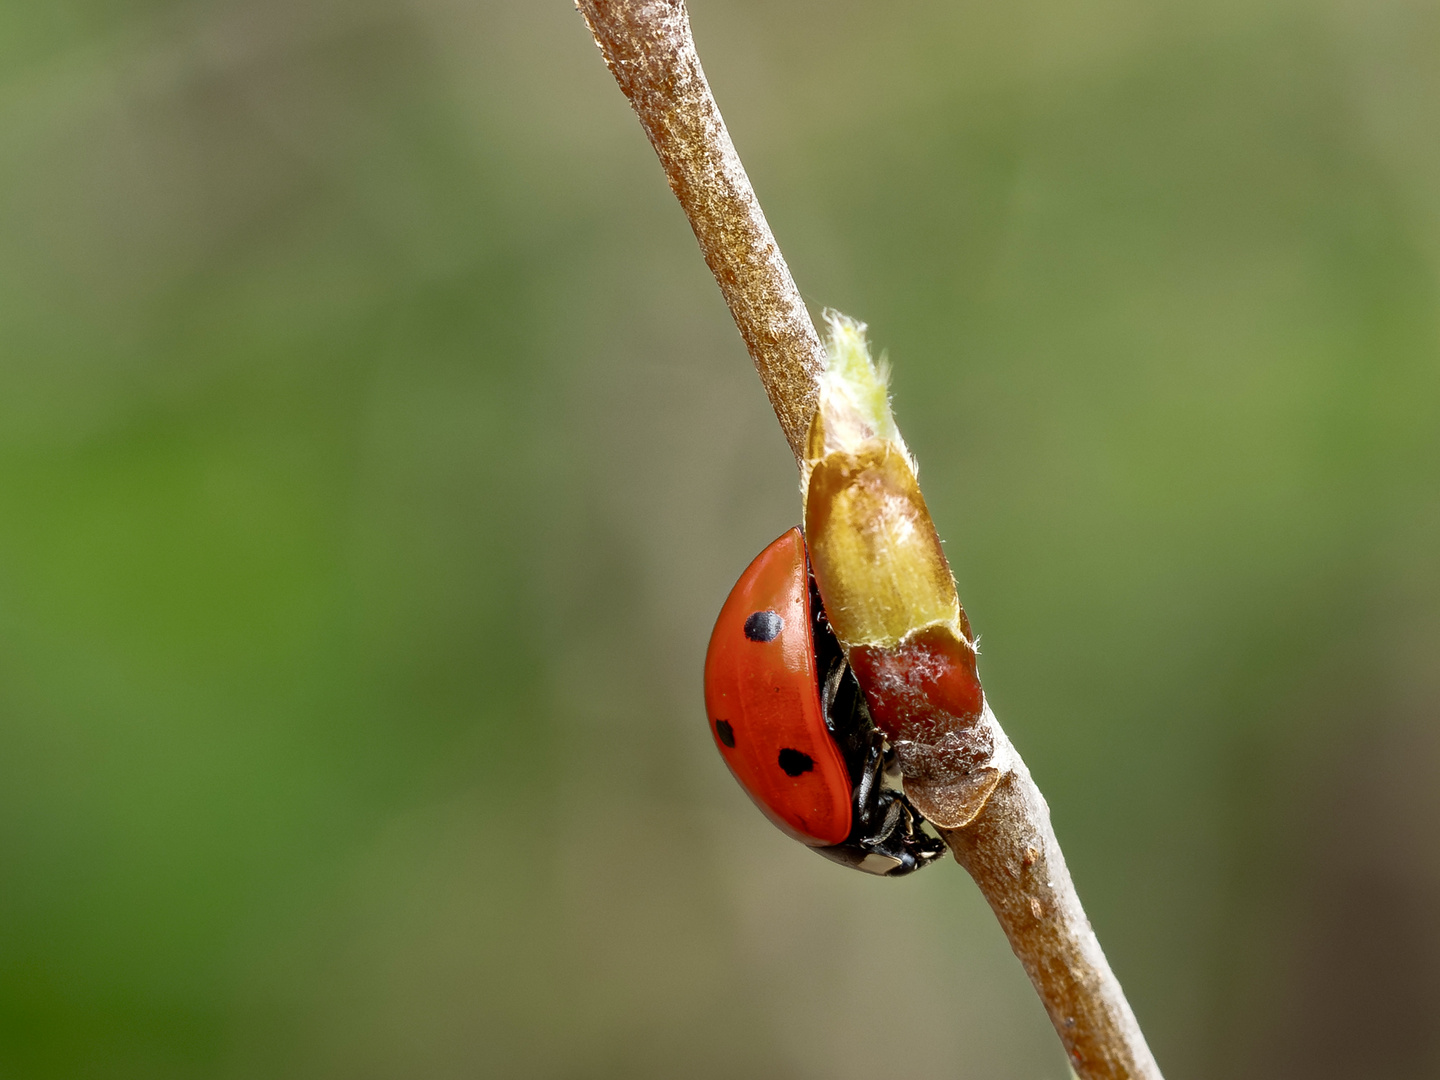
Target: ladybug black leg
{"points": [[899, 834], [869, 790], [894, 814]]}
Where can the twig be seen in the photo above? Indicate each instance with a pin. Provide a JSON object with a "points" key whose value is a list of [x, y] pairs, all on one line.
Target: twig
{"points": [[648, 48], [1007, 845], [1011, 851]]}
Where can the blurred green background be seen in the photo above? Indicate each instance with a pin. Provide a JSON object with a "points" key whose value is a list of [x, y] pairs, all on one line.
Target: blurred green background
{"points": [[376, 450]]}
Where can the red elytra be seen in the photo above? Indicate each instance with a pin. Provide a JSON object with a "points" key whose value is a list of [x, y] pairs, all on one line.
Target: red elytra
{"points": [[762, 694]]}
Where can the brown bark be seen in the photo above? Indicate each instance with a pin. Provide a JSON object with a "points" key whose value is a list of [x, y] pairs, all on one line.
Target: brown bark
{"points": [[1010, 850], [648, 48], [1008, 846]]}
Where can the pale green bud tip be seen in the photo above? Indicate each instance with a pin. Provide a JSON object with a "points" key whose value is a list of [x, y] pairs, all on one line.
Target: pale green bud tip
{"points": [[853, 382]]}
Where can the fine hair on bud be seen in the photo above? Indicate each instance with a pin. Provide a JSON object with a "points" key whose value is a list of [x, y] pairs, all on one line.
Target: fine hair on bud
{"points": [[854, 391]]}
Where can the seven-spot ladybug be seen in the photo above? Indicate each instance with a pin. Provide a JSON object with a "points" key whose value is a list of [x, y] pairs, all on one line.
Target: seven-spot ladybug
{"points": [[791, 722]]}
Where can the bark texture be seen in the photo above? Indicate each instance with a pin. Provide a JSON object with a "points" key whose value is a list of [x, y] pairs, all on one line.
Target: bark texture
{"points": [[648, 48], [1010, 850]]}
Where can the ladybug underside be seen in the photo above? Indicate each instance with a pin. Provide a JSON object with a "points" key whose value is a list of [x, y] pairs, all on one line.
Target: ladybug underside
{"points": [[886, 835]]}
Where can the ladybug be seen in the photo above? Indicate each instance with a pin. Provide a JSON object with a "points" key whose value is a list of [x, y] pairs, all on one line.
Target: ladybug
{"points": [[791, 723]]}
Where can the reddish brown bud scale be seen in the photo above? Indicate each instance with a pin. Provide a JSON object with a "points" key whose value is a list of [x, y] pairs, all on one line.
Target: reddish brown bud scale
{"points": [[891, 600], [925, 695]]}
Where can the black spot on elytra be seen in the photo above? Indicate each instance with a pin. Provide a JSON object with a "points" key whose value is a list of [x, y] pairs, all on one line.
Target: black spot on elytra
{"points": [[764, 626], [794, 762], [725, 732]]}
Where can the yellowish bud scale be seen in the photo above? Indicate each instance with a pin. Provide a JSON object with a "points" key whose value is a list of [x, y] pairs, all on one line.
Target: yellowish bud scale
{"points": [[887, 587]]}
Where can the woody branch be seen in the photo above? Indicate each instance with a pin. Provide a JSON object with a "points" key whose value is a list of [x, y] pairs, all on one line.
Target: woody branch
{"points": [[995, 821]]}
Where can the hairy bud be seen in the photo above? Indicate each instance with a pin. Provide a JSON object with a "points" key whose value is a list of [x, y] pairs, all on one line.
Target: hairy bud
{"points": [[888, 590]]}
